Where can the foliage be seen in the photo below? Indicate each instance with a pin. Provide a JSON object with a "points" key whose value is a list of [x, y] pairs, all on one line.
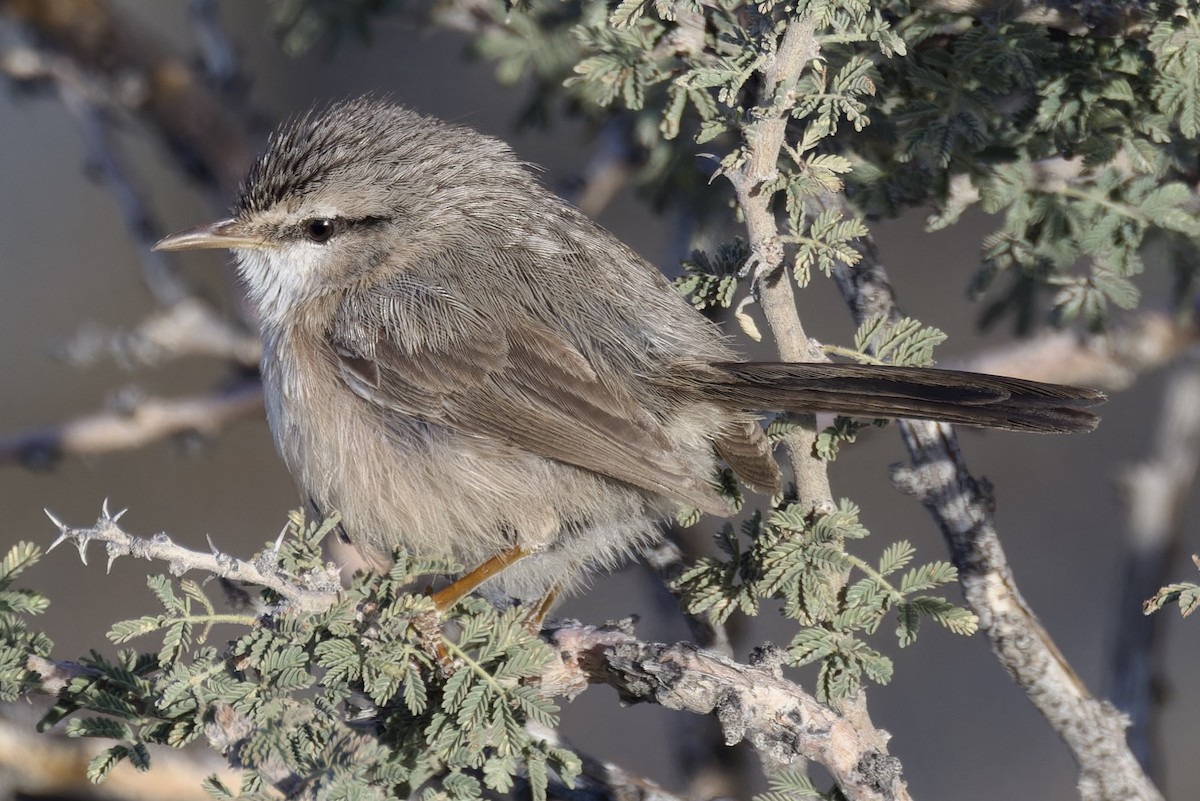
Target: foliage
{"points": [[17, 641], [372, 697], [1185, 593], [1084, 144], [800, 558]]}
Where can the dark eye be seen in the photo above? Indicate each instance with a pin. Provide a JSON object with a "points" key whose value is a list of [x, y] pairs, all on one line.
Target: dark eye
{"points": [[319, 229]]}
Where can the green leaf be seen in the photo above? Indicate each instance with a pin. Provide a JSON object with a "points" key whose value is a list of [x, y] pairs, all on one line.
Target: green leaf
{"points": [[17, 560], [102, 764], [1186, 594]]}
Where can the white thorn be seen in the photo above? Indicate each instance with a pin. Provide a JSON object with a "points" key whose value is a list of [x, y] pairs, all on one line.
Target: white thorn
{"points": [[61, 526], [119, 514], [104, 510], [82, 544], [279, 540], [112, 557]]}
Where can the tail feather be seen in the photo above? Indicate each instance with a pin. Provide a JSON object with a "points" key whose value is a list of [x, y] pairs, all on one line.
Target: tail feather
{"points": [[951, 396]]}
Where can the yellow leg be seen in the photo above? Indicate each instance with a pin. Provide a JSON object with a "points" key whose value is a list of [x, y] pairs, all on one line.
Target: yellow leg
{"points": [[448, 596], [537, 614]]}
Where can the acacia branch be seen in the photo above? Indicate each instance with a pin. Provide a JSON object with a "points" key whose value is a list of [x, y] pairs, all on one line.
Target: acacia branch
{"points": [[961, 506], [754, 703], [764, 141], [317, 592]]}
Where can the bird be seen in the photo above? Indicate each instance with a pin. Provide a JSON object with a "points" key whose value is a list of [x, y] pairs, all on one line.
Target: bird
{"points": [[462, 364]]}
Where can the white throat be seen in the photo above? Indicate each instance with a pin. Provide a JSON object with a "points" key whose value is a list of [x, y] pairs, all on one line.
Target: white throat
{"points": [[280, 279]]}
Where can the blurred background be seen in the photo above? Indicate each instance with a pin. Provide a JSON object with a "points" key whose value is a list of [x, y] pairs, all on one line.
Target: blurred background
{"points": [[68, 264]]}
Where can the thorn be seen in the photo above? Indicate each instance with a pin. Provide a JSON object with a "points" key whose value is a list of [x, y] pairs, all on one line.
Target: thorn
{"points": [[279, 540], [112, 557], [119, 514], [82, 544], [62, 531], [104, 510], [212, 546]]}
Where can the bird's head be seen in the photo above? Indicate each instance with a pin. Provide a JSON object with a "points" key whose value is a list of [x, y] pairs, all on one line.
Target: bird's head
{"points": [[358, 187]]}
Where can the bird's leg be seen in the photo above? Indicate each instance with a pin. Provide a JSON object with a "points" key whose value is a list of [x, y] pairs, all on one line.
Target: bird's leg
{"points": [[463, 586], [537, 614]]}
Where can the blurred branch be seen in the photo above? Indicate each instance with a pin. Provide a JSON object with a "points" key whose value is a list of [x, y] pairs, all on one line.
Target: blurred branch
{"points": [[753, 703], [216, 49], [1079, 19], [609, 169], [145, 78], [962, 507], [55, 767], [602, 781], [188, 328], [1156, 493], [90, 108], [143, 421], [1111, 360]]}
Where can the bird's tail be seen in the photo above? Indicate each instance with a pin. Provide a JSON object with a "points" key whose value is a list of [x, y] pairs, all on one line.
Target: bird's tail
{"points": [[951, 396]]}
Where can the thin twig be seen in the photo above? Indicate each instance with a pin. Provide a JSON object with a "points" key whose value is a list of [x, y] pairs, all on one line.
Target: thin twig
{"points": [[318, 591]]}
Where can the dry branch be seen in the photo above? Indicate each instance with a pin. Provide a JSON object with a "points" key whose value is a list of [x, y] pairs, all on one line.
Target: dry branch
{"points": [[961, 506], [752, 703], [141, 422], [318, 591]]}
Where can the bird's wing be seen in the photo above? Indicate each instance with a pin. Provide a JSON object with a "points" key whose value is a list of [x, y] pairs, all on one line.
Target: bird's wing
{"points": [[527, 387]]}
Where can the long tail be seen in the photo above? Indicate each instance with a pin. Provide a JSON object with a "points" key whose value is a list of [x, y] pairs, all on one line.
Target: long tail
{"points": [[951, 396]]}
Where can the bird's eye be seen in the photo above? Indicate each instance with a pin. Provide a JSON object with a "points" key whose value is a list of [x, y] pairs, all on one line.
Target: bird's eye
{"points": [[319, 229]]}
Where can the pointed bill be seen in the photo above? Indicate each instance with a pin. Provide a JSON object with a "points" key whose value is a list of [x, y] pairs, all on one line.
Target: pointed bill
{"points": [[214, 236]]}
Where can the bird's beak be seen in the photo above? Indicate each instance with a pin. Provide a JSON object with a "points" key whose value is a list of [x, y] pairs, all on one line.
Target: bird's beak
{"points": [[215, 236]]}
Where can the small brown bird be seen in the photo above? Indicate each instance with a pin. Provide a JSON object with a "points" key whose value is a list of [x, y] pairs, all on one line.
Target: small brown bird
{"points": [[461, 363]]}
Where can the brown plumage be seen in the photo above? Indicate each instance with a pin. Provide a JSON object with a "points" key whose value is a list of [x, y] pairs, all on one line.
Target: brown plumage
{"points": [[459, 362]]}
